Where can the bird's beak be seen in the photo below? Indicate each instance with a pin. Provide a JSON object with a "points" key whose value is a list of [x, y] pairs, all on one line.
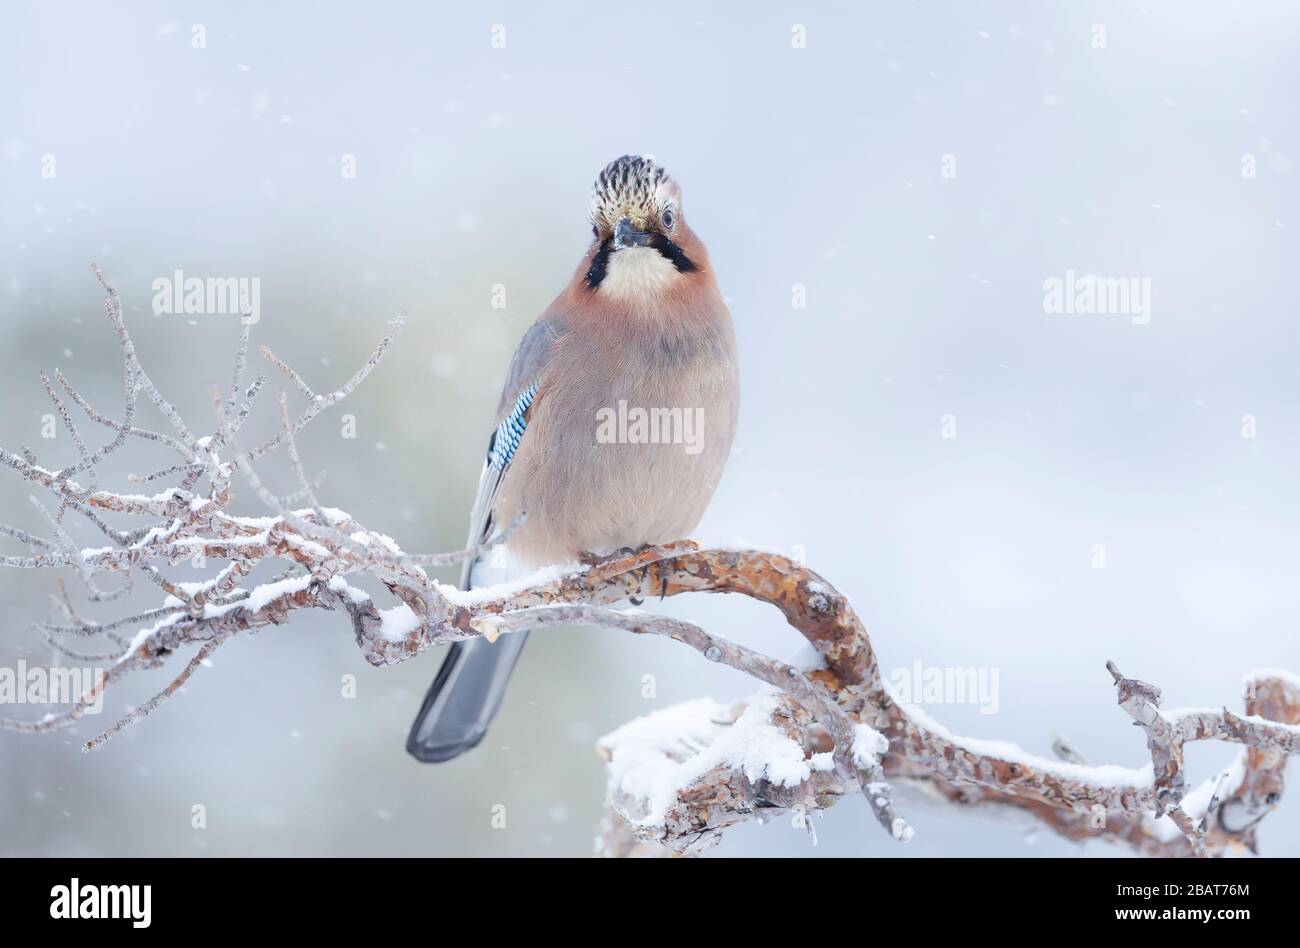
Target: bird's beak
{"points": [[627, 234]]}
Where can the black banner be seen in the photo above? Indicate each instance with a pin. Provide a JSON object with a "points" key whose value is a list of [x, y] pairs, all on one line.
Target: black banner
{"points": [[213, 896]]}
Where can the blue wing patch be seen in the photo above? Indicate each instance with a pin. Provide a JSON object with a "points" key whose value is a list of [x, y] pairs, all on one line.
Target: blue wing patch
{"points": [[505, 441]]}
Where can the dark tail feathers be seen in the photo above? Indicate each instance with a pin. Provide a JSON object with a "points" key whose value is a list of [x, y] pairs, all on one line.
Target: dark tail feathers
{"points": [[464, 698]]}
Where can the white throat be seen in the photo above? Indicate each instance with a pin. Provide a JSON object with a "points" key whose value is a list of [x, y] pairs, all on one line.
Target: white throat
{"points": [[638, 275]]}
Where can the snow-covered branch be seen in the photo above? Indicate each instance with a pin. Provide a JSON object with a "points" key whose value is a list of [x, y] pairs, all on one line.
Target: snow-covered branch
{"points": [[677, 778], [682, 775]]}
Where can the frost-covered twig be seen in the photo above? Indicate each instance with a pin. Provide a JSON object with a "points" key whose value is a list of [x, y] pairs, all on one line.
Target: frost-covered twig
{"points": [[678, 778], [191, 524]]}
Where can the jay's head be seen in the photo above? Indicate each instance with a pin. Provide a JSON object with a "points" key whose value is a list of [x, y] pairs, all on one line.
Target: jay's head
{"points": [[642, 247]]}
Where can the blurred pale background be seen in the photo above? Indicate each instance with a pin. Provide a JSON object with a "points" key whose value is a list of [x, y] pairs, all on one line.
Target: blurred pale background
{"points": [[818, 166]]}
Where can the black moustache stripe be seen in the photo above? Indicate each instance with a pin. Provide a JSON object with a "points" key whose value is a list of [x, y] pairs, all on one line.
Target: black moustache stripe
{"points": [[673, 253], [666, 248], [599, 265]]}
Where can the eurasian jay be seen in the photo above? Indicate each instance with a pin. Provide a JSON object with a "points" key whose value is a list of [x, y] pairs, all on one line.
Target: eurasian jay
{"points": [[639, 341]]}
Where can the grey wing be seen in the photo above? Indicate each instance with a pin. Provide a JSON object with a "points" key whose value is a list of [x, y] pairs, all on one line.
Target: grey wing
{"points": [[471, 683], [512, 419]]}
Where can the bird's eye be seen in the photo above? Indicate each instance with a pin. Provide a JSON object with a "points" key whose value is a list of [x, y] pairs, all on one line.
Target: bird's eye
{"points": [[667, 218]]}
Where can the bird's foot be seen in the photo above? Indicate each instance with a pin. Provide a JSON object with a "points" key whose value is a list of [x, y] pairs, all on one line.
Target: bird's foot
{"points": [[587, 558], [592, 559]]}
